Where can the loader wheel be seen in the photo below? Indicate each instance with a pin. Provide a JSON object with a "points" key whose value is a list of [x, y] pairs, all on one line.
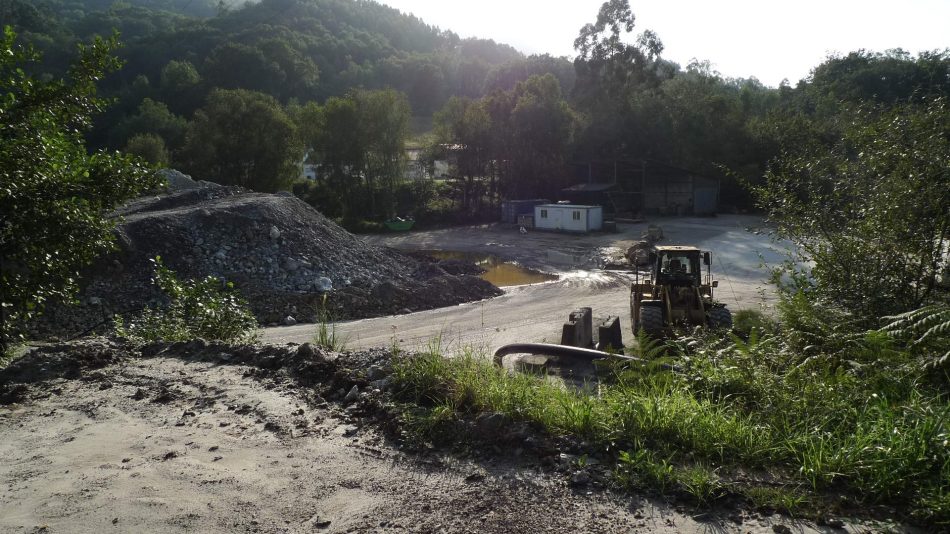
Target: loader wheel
{"points": [[651, 320], [720, 318]]}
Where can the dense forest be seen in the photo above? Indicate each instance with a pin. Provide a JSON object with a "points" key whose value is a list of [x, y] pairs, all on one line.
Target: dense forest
{"points": [[317, 79]]}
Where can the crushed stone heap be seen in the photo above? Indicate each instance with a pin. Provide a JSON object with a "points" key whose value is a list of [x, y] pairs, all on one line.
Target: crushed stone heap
{"points": [[284, 257]]}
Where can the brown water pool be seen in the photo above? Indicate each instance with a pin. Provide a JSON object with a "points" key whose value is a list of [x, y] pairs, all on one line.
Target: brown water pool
{"points": [[497, 271]]}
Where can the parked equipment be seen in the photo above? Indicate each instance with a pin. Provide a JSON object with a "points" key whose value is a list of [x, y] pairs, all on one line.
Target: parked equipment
{"points": [[677, 292]]}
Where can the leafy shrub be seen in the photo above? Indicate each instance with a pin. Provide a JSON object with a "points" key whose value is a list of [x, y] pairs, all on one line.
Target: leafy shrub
{"points": [[207, 308], [744, 321]]}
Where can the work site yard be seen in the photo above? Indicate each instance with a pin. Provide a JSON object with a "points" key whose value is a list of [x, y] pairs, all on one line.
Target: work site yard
{"points": [[742, 251], [402, 423]]}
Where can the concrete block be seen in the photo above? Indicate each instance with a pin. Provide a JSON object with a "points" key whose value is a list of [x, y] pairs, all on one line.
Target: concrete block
{"points": [[610, 335], [578, 330]]}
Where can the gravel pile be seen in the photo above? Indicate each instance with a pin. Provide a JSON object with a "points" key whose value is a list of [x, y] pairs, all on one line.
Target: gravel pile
{"points": [[286, 258]]}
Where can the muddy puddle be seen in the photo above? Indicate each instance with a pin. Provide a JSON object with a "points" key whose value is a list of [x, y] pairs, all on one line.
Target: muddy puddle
{"points": [[497, 271]]}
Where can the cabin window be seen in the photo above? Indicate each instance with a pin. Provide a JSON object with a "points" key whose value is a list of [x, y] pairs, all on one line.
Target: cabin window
{"points": [[544, 214], [577, 215]]}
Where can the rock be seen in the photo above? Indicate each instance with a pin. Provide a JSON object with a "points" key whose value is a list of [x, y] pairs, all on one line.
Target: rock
{"points": [[375, 372], [352, 395], [290, 264], [639, 253], [491, 424], [306, 352], [781, 529], [323, 284], [382, 384], [834, 522], [653, 234], [289, 320], [244, 237], [580, 478], [475, 477]]}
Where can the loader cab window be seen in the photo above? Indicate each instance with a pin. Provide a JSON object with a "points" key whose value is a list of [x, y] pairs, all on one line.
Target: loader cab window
{"points": [[679, 265], [675, 264]]}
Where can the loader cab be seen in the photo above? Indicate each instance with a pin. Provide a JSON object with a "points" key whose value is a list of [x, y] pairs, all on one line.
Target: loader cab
{"points": [[678, 266]]}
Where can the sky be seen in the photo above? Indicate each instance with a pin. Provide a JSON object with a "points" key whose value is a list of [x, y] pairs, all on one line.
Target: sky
{"points": [[765, 39]]}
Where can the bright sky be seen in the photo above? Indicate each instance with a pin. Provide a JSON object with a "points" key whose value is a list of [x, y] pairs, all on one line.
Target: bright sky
{"points": [[767, 39]]}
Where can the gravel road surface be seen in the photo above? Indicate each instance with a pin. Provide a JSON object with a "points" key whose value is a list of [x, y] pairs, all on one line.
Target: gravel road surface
{"points": [[741, 247]]}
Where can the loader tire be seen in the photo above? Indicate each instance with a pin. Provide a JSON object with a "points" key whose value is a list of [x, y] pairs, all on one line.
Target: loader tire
{"points": [[651, 321], [720, 318]]}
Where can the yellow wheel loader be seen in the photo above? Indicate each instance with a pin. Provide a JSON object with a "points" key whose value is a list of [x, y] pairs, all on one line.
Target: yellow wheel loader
{"points": [[677, 292]]}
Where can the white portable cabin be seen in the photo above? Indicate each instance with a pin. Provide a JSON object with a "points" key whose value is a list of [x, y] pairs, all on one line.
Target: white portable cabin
{"points": [[568, 217]]}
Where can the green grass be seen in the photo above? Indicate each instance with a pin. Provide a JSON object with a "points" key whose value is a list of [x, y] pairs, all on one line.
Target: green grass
{"points": [[780, 499], [861, 421], [327, 337]]}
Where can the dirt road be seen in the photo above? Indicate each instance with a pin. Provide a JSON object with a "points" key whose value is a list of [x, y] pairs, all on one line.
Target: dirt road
{"points": [[741, 250]]}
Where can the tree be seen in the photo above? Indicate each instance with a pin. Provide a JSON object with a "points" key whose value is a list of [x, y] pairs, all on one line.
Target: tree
{"points": [[463, 130], [342, 152], [612, 76], [151, 118], [178, 76], [243, 138], [870, 212], [54, 195], [607, 66], [543, 127], [149, 147], [384, 121]]}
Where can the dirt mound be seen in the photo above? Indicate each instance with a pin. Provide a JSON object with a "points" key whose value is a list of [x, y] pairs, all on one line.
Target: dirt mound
{"points": [[286, 258]]}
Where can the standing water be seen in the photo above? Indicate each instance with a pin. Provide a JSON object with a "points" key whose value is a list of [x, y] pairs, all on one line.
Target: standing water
{"points": [[497, 271]]}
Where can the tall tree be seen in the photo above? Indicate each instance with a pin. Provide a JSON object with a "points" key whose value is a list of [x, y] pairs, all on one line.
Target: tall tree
{"points": [[463, 129], [543, 127], [384, 120], [243, 138]]}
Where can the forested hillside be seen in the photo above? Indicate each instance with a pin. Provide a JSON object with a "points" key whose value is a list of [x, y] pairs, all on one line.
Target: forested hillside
{"points": [[177, 51], [312, 73]]}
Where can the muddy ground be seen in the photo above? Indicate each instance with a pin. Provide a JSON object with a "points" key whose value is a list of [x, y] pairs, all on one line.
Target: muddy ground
{"points": [[198, 438], [742, 253]]}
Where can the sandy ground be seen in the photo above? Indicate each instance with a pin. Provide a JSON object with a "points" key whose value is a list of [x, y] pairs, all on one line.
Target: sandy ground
{"points": [[741, 246], [176, 444]]}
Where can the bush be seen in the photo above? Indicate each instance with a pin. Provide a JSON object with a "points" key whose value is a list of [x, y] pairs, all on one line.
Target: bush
{"points": [[868, 213], [207, 308], [744, 321]]}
